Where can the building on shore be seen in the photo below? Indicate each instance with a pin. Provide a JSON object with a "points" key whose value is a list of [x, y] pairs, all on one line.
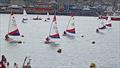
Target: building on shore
{"points": [[4, 1], [17, 2]]}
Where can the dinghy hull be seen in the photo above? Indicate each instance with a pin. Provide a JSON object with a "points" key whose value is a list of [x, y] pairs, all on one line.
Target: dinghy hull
{"points": [[12, 41]]}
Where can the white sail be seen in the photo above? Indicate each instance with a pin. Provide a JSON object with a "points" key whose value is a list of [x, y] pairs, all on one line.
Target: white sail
{"points": [[25, 15], [12, 31], [48, 17], [54, 29]]}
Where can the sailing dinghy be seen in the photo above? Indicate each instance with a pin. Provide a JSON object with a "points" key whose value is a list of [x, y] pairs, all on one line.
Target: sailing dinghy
{"points": [[105, 24], [13, 31], [102, 25], [24, 16], [48, 17], [53, 33], [70, 30]]}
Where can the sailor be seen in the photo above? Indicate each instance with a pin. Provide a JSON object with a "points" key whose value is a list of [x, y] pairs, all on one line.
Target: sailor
{"points": [[3, 60], [97, 30], [45, 20], [47, 39], [6, 36], [64, 33], [8, 65], [15, 65], [22, 35]]}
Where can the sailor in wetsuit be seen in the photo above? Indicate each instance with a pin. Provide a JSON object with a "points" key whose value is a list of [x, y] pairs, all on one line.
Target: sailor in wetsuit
{"points": [[6, 36], [47, 39], [97, 30], [64, 33]]}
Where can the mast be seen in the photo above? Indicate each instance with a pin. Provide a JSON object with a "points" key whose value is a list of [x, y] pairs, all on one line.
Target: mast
{"points": [[47, 14], [11, 13], [68, 22], [50, 28], [54, 19]]}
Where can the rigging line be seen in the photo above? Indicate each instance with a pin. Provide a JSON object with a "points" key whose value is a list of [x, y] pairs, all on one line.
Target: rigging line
{"points": [[69, 22], [52, 24], [50, 28]]}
